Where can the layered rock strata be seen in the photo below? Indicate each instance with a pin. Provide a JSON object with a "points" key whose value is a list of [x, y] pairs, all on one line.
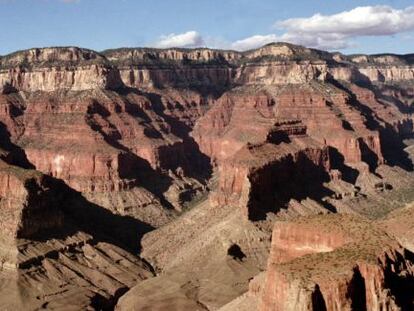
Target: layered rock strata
{"points": [[51, 69], [336, 263], [264, 176], [280, 63], [133, 137], [123, 152], [28, 203], [49, 258]]}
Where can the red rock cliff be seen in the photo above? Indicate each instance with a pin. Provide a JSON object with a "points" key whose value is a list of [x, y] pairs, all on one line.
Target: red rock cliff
{"points": [[335, 263], [52, 69]]}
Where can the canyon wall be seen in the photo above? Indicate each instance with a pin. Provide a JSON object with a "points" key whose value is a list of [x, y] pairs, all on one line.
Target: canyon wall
{"points": [[54, 69], [29, 203], [176, 114], [137, 137], [258, 178], [73, 68], [335, 263]]}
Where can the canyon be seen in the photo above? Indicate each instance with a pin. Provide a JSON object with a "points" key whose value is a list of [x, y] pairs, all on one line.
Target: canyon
{"points": [[278, 178]]}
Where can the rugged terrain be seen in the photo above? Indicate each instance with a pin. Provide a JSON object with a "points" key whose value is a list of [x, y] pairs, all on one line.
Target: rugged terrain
{"points": [[194, 179]]}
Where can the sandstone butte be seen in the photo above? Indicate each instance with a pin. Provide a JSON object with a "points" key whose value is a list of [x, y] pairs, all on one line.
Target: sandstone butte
{"points": [[195, 179]]}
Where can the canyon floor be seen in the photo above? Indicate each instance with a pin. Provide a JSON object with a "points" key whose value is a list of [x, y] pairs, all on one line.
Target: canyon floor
{"points": [[195, 179]]}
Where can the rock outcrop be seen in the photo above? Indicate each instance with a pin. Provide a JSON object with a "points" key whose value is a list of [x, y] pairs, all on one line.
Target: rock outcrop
{"points": [[79, 69], [211, 70], [336, 263], [54, 69], [29, 204], [48, 258], [122, 159], [258, 178], [401, 225]]}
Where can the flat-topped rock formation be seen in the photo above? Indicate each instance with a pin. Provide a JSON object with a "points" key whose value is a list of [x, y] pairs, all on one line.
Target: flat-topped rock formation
{"points": [[354, 265], [73, 68], [332, 262], [52, 69], [401, 225], [258, 177]]}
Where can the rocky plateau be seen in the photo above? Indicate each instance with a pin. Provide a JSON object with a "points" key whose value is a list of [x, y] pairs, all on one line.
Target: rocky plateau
{"points": [[278, 178]]}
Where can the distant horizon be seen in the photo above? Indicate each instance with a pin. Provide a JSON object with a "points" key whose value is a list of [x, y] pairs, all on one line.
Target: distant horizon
{"points": [[349, 27], [198, 48]]}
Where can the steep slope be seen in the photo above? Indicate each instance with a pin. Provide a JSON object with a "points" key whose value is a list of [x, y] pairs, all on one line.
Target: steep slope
{"points": [[49, 262], [336, 278], [206, 265], [57, 68], [400, 224], [333, 262]]}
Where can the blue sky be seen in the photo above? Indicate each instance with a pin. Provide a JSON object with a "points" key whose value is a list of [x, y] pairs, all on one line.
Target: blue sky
{"points": [[349, 26]]}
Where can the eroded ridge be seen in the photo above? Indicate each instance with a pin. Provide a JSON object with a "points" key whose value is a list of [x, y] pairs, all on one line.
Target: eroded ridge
{"points": [[333, 262]]}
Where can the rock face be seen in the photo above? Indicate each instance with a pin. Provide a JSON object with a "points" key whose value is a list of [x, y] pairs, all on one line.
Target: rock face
{"points": [[80, 69], [265, 175], [49, 261], [336, 263], [121, 160], [52, 69], [298, 121], [28, 204], [181, 68], [207, 149]]}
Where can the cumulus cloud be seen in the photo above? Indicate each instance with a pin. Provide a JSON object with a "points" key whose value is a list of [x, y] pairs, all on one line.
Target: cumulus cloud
{"points": [[254, 41], [329, 41], [327, 32], [362, 21], [187, 39], [334, 32]]}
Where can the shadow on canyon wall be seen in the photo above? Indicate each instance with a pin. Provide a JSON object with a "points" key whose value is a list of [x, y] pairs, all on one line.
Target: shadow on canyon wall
{"points": [[14, 154], [401, 285], [131, 166], [194, 163], [82, 215], [382, 93], [337, 160], [391, 137], [273, 186], [79, 214]]}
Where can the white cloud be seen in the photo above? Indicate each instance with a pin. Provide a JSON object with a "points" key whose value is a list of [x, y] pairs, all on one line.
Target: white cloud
{"points": [[327, 32], [334, 32], [330, 41], [254, 42], [362, 21], [187, 39]]}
